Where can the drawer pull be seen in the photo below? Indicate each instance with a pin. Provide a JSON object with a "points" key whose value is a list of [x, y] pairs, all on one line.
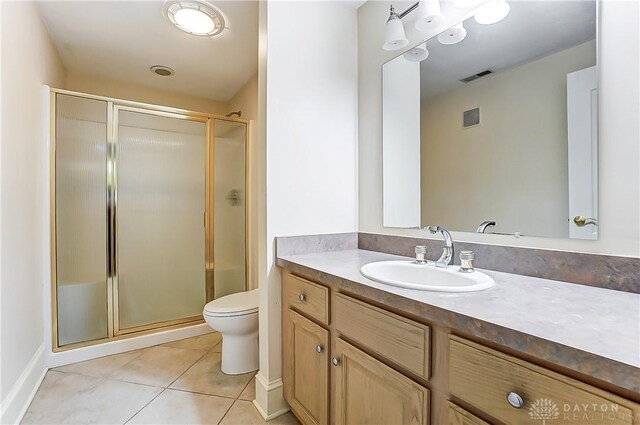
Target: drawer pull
{"points": [[335, 361], [302, 297], [319, 348], [515, 400]]}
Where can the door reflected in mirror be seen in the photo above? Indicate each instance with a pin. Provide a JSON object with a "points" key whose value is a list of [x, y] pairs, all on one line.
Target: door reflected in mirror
{"points": [[499, 127]]}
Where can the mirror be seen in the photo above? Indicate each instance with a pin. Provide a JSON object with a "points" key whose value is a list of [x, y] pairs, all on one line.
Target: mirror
{"points": [[499, 128]]}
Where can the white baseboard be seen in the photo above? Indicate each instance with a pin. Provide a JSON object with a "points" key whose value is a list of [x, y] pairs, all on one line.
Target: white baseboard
{"points": [[270, 400], [17, 401], [120, 346]]}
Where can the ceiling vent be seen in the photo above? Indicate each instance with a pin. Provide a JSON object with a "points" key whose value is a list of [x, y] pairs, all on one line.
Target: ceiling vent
{"points": [[476, 76], [161, 70]]}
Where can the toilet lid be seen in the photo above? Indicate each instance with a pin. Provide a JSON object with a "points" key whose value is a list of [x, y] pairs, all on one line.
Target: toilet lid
{"points": [[234, 304]]}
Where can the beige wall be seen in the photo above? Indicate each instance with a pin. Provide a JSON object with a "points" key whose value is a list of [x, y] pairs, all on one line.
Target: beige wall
{"points": [[619, 132], [513, 167], [246, 99], [104, 87], [29, 60]]}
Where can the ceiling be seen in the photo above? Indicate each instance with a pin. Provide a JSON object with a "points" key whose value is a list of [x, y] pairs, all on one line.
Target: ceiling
{"points": [[533, 29], [120, 40]]}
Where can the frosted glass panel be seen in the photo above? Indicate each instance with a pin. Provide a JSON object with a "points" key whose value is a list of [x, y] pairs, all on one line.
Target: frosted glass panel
{"points": [[81, 185], [160, 218], [229, 208]]}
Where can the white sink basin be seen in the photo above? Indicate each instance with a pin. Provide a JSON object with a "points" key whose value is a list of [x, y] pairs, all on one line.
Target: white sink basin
{"points": [[426, 277]]}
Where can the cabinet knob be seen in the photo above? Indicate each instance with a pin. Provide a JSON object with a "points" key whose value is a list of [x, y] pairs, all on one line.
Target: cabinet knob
{"points": [[319, 348], [515, 400], [335, 361], [302, 297]]}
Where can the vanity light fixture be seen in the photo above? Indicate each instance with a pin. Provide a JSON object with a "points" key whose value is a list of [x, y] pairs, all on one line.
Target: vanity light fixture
{"points": [[429, 15], [394, 37], [453, 35], [417, 54], [196, 17], [492, 12]]}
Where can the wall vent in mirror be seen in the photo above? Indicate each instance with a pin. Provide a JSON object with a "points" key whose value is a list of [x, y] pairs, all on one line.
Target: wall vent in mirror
{"points": [[470, 78], [471, 117]]}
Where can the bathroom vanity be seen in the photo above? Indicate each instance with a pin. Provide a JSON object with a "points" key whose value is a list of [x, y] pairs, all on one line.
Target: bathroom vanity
{"points": [[356, 351]]}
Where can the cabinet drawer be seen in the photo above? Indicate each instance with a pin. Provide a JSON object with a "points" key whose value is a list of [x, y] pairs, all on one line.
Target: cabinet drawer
{"points": [[483, 378], [456, 415], [307, 297], [400, 340]]}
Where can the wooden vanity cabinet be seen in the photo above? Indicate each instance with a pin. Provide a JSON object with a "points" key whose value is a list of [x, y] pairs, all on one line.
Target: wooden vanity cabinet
{"points": [[347, 362]]}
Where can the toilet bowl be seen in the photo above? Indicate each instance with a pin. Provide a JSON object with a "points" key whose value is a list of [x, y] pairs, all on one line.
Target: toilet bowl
{"points": [[235, 316]]}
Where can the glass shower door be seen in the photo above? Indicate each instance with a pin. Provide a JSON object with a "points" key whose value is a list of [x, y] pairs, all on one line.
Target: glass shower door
{"points": [[80, 219], [160, 236], [229, 207]]}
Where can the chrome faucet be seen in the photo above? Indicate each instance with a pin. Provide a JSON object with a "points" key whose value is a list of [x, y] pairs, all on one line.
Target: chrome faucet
{"points": [[483, 226], [447, 253]]}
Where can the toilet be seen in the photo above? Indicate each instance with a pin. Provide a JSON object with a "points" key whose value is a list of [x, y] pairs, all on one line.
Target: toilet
{"points": [[235, 316]]}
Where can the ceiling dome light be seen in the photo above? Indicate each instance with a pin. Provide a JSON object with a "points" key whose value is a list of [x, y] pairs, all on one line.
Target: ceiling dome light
{"points": [[417, 54], [394, 37], [429, 15], [195, 17], [453, 35], [492, 12]]}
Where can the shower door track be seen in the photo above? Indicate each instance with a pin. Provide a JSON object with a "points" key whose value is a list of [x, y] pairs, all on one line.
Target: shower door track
{"points": [[114, 332]]}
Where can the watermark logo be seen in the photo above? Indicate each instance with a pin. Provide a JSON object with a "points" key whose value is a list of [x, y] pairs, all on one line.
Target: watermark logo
{"points": [[544, 409]]}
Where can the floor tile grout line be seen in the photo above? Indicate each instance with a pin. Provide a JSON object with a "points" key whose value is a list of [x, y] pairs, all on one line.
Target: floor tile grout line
{"points": [[190, 366], [202, 393], [143, 407], [236, 400], [172, 382]]}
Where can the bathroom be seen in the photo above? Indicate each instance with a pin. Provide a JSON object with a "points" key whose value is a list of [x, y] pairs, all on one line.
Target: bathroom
{"points": [[346, 161]]}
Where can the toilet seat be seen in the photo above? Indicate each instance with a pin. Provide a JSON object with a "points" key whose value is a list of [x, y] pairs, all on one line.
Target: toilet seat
{"points": [[238, 304]]}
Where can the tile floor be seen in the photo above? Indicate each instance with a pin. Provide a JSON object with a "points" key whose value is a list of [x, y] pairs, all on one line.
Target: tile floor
{"points": [[175, 383]]}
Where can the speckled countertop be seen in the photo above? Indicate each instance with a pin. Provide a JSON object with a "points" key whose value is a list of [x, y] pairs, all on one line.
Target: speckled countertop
{"points": [[590, 330]]}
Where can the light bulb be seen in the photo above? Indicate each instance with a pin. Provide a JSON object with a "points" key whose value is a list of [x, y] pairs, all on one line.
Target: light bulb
{"points": [[394, 37], [492, 12], [194, 21], [417, 54], [429, 15], [453, 35]]}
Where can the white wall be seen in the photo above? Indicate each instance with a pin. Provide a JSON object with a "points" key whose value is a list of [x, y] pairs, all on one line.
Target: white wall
{"points": [[29, 60], [619, 132], [311, 145], [512, 168]]}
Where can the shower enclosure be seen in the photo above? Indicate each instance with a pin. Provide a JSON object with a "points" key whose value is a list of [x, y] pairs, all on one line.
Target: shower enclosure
{"points": [[148, 216]]}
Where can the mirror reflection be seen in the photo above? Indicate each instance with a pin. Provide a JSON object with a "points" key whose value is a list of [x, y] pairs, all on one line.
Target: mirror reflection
{"points": [[493, 128]]}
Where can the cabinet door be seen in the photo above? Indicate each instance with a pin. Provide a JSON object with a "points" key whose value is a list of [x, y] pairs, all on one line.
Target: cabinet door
{"points": [[458, 416], [367, 391], [306, 383]]}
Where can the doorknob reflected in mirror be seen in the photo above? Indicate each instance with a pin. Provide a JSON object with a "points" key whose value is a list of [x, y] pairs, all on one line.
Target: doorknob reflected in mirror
{"points": [[581, 220]]}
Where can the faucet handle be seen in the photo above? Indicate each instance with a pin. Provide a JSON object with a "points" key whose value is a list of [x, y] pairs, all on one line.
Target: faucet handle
{"points": [[421, 254], [432, 229], [466, 261]]}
